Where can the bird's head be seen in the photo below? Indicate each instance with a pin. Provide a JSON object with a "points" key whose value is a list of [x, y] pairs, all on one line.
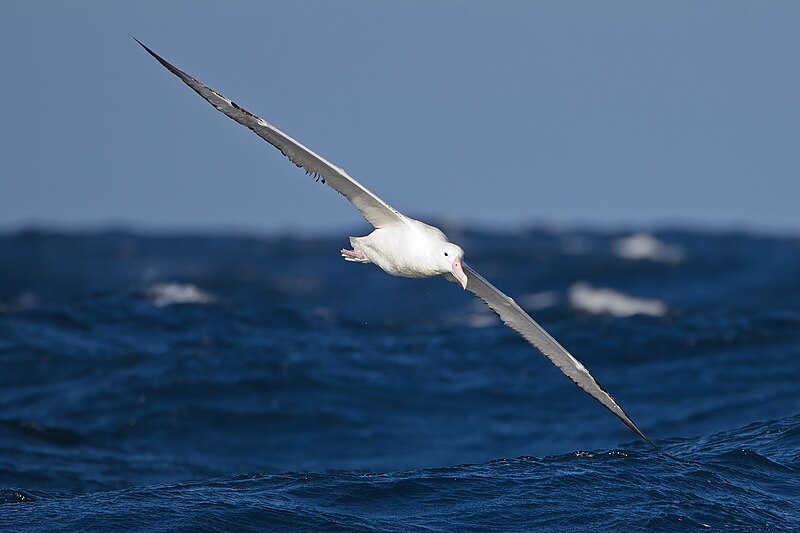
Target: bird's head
{"points": [[450, 258]]}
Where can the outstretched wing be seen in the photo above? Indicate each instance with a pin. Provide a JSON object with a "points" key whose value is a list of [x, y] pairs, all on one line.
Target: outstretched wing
{"points": [[376, 211], [518, 320]]}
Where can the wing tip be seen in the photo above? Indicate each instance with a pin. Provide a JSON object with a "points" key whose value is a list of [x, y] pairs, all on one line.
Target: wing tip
{"points": [[624, 417], [639, 432], [144, 46], [166, 64]]}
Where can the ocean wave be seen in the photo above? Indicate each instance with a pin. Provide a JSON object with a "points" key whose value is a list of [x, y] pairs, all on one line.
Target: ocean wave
{"points": [[540, 300], [164, 294], [584, 297], [643, 246], [634, 488], [359, 401]]}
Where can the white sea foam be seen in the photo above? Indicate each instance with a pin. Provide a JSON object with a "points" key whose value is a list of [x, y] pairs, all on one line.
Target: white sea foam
{"points": [[481, 320], [163, 294], [641, 246], [539, 300], [479, 316], [608, 301]]}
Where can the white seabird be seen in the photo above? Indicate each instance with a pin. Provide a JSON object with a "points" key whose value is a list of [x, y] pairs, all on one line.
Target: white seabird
{"points": [[402, 246]]}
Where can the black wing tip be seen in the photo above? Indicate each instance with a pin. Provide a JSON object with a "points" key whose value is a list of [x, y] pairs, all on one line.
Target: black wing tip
{"points": [[166, 64], [645, 437], [630, 424], [627, 420], [144, 46]]}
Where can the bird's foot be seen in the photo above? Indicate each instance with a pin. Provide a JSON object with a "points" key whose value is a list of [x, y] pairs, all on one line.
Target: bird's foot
{"points": [[353, 255]]}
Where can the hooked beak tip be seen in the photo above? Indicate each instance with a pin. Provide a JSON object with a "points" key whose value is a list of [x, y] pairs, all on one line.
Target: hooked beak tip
{"points": [[458, 273]]}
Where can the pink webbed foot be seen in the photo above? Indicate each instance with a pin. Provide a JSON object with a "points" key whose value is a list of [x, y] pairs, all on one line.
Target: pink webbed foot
{"points": [[353, 255]]}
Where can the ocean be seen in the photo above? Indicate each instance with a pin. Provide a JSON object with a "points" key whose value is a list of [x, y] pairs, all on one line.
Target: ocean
{"points": [[233, 382]]}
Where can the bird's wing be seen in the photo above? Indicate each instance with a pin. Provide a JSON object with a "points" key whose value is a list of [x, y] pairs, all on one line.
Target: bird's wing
{"points": [[376, 211], [518, 320]]}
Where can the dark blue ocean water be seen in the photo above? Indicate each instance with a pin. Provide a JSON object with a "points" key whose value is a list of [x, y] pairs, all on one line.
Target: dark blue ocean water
{"points": [[234, 383]]}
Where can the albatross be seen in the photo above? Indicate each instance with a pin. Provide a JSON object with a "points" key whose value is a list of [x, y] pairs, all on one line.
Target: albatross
{"points": [[403, 246]]}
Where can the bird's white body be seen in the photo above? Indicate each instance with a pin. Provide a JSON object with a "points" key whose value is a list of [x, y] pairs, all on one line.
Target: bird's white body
{"points": [[409, 248], [402, 246]]}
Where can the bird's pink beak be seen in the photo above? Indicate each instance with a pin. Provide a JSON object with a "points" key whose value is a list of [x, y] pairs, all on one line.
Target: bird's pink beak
{"points": [[458, 272]]}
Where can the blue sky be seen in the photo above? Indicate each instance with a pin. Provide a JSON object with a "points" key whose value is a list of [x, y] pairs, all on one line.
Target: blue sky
{"points": [[497, 113]]}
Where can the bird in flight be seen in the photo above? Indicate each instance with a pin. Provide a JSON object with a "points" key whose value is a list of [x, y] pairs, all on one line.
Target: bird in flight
{"points": [[403, 246]]}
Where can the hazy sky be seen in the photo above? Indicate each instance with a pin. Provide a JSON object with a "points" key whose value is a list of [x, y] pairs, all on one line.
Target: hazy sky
{"points": [[486, 112]]}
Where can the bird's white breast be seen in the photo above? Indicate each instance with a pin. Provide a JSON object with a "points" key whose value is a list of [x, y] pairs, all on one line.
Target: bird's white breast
{"points": [[405, 249]]}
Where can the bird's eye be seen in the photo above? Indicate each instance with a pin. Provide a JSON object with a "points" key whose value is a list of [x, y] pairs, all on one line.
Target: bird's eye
{"points": [[446, 254]]}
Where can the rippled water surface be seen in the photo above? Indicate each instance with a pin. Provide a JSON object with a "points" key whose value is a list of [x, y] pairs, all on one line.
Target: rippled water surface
{"points": [[232, 383]]}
